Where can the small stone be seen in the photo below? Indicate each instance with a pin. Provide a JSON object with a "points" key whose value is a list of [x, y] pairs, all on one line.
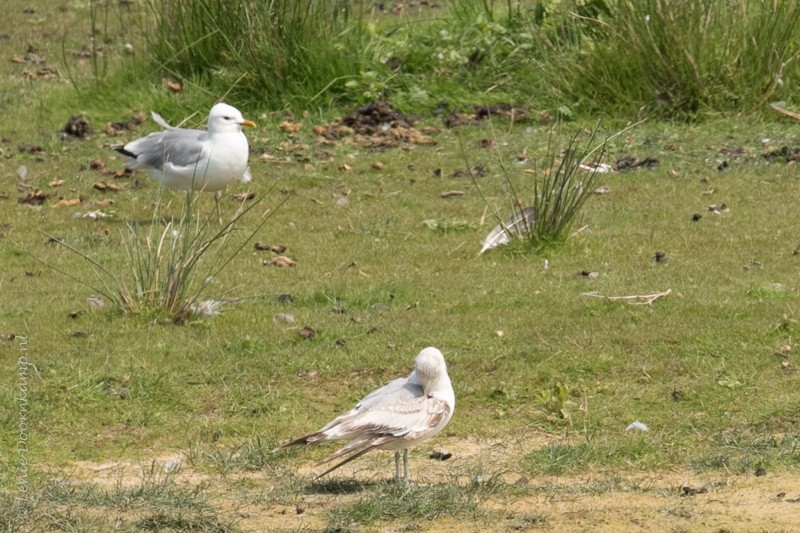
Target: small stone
{"points": [[286, 318], [95, 302]]}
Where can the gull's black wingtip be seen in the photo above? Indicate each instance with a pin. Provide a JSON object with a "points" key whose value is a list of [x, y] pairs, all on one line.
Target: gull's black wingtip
{"points": [[302, 441], [121, 149]]}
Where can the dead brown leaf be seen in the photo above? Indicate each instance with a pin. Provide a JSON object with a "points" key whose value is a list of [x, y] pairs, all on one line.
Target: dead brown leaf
{"points": [[451, 194], [67, 202], [267, 158], [283, 262], [276, 248], [35, 197], [105, 186], [172, 84], [30, 148], [291, 127], [243, 197]]}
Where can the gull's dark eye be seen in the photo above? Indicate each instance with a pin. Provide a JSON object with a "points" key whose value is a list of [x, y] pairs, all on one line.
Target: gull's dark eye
{"points": [[227, 118]]}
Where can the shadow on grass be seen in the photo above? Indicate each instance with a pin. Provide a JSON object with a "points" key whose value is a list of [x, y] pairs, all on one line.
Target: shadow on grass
{"points": [[342, 486]]}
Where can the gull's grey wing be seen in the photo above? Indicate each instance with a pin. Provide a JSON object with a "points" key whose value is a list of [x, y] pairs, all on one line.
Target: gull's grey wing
{"points": [[409, 420], [400, 389], [384, 427], [181, 147]]}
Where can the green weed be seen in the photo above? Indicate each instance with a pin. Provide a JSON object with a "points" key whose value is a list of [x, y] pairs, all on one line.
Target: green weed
{"points": [[170, 265], [276, 58], [560, 187], [680, 60], [410, 502]]}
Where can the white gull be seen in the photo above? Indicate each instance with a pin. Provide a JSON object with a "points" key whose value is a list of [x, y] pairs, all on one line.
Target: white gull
{"points": [[402, 413], [194, 160]]}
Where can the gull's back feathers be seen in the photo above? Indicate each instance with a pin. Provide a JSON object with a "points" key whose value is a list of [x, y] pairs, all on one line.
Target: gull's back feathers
{"points": [[396, 416]]}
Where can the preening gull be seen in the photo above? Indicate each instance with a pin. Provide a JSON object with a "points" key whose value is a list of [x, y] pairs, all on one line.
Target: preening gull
{"points": [[398, 415], [194, 160]]}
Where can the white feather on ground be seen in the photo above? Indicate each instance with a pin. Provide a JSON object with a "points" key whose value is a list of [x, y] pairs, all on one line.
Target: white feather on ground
{"points": [[402, 413], [518, 225]]}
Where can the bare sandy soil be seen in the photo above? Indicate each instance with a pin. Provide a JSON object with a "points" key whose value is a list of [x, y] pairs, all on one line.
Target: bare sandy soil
{"points": [[669, 501]]}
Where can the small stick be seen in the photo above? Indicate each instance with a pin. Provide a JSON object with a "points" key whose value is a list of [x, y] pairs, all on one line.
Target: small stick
{"points": [[648, 298], [579, 230], [783, 111]]}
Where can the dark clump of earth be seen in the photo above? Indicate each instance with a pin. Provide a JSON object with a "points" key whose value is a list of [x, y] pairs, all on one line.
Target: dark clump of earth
{"points": [[112, 129], [628, 162], [77, 127], [376, 126], [784, 153], [375, 117], [480, 113]]}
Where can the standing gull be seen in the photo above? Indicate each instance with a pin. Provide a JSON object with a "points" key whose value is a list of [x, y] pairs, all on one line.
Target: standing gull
{"points": [[195, 160], [398, 415]]}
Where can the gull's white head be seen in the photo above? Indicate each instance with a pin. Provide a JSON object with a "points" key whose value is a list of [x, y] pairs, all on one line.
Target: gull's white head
{"points": [[224, 118], [429, 366]]}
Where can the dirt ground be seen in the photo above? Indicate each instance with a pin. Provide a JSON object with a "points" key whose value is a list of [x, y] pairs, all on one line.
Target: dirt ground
{"points": [[669, 501]]}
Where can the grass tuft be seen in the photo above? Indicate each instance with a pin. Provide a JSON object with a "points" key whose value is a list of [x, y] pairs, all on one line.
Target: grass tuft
{"points": [[679, 59], [171, 264], [414, 502], [264, 51], [560, 187]]}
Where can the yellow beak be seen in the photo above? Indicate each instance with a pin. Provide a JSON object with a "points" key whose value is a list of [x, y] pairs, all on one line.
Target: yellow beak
{"points": [[249, 123]]}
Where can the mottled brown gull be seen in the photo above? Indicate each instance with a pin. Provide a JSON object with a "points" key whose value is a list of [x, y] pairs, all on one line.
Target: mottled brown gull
{"points": [[402, 413]]}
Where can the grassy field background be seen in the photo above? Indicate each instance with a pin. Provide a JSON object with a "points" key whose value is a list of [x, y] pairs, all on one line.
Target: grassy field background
{"points": [[140, 424]]}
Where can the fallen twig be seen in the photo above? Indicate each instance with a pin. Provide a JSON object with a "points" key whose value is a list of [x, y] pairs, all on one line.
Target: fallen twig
{"points": [[647, 299], [783, 111]]}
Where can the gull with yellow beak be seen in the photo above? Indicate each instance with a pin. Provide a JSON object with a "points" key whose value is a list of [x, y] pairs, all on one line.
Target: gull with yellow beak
{"points": [[195, 160]]}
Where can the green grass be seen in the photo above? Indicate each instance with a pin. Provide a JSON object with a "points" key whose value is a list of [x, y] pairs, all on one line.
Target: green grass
{"points": [[682, 60], [155, 502], [710, 368], [218, 385], [414, 504]]}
